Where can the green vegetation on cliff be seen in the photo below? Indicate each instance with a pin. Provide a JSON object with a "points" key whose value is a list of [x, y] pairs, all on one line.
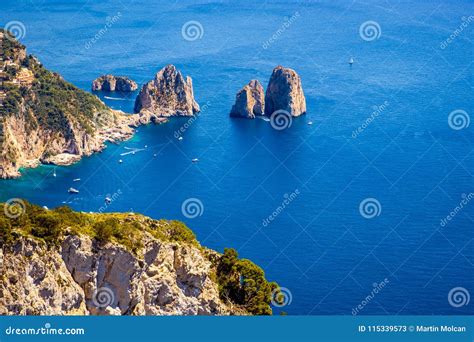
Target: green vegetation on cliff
{"points": [[240, 281]]}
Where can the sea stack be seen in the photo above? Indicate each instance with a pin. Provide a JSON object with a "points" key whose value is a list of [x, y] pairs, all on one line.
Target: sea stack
{"points": [[168, 94], [249, 101], [114, 83], [284, 92]]}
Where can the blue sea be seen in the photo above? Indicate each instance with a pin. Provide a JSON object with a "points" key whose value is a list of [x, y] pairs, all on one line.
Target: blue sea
{"points": [[345, 213]]}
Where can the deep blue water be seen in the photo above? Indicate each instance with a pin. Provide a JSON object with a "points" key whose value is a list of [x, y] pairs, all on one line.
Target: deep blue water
{"points": [[320, 247]]}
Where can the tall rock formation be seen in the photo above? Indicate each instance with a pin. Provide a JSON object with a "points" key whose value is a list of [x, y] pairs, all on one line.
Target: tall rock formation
{"points": [[284, 92], [114, 83], [168, 94], [249, 101]]}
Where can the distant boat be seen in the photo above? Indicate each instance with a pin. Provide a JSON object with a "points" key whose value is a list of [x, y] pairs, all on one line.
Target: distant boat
{"points": [[76, 179], [146, 146], [54, 173], [120, 161], [73, 191], [180, 138], [351, 61], [154, 155], [195, 160], [108, 200], [45, 207], [264, 118], [310, 122]]}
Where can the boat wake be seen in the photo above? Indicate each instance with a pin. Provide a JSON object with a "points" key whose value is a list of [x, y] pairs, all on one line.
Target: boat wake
{"points": [[118, 98]]}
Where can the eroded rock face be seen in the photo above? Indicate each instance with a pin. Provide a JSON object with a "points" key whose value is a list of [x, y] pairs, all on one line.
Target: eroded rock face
{"points": [[81, 277], [249, 101], [114, 83], [284, 92], [168, 94]]}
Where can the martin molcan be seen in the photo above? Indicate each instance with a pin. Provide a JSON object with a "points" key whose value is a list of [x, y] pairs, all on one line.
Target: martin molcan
{"points": [[440, 328]]}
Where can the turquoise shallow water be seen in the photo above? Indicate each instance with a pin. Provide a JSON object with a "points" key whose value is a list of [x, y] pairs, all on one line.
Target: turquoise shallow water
{"points": [[319, 247]]}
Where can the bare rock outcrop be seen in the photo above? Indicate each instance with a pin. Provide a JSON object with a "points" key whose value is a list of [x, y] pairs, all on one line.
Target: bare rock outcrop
{"points": [[92, 279], [168, 94], [249, 101], [284, 92], [114, 83]]}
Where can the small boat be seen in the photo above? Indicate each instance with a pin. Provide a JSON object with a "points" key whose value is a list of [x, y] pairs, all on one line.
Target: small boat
{"points": [[154, 155], [54, 173], [351, 61], [310, 122], [45, 207], [146, 146], [195, 160], [120, 161], [76, 179], [73, 191], [180, 138], [108, 200]]}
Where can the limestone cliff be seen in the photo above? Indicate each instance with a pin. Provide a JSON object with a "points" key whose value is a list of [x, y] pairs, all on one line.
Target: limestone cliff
{"points": [[168, 94], [285, 92], [44, 119], [249, 101], [58, 262], [114, 83]]}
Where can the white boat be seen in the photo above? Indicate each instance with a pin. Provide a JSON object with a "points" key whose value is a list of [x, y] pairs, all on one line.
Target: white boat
{"points": [[54, 173], [310, 122], [108, 200], [351, 61], [76, 179], [146, 146], [120, 161], [195, 160], [73, 191], [154, 155], [180, 138]]}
